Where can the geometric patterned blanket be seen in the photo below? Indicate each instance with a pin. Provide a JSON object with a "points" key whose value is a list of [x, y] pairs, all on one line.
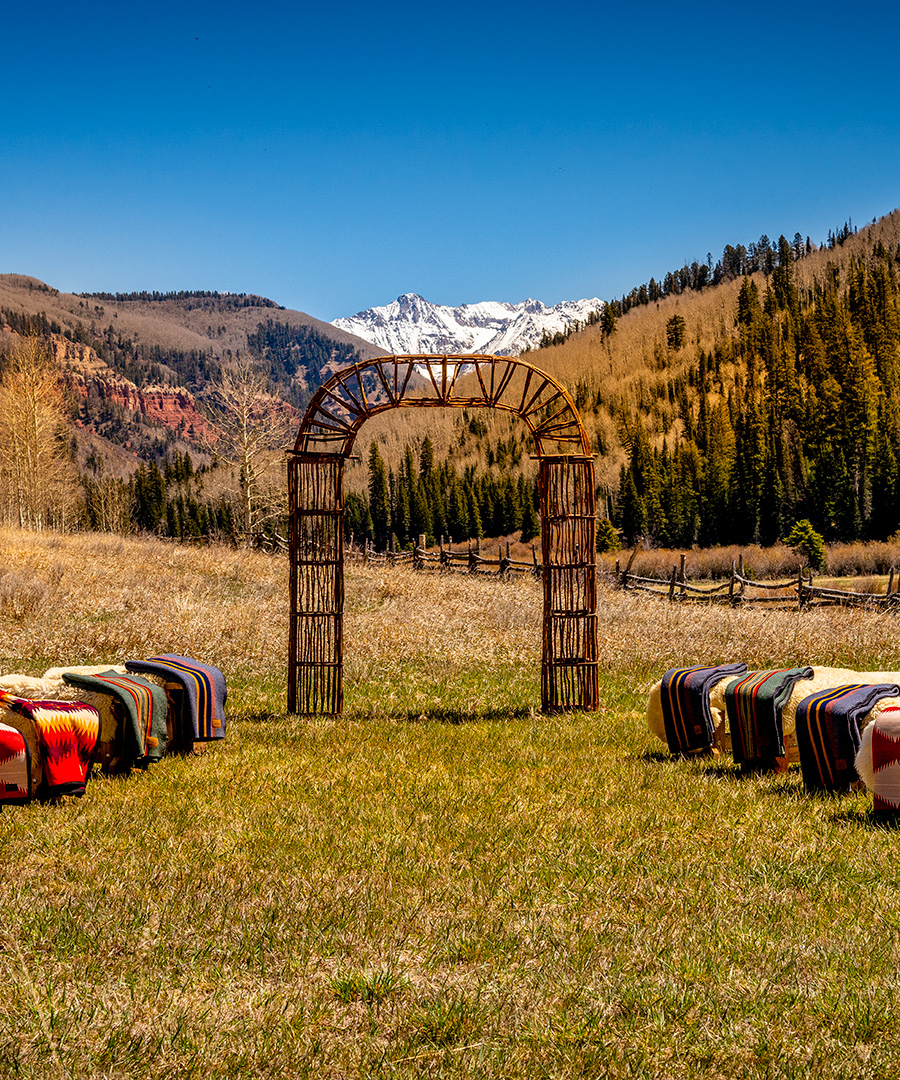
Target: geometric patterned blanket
{"points": [[204, 687], [886, 762], [15, 766], [753, 704], [828, 737], [684, 697], [142, 703], [65, 733]]}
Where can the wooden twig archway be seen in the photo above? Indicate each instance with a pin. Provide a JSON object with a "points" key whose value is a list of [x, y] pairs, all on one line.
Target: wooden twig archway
{"points": [[316, 500]]}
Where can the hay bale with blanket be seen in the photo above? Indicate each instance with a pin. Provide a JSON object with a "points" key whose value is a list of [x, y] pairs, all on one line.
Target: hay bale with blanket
{"points": [[196, 694], [878, 761], [15, 766], [828, 732], [688, 724], [61, 738], [753, 704], [135, 710]]}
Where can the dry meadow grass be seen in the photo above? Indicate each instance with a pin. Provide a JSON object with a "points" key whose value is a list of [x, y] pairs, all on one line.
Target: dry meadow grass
{"points": [[443, 883]]}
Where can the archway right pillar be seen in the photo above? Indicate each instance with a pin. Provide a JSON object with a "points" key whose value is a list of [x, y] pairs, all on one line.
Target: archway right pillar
{"points": [[569, 574]]}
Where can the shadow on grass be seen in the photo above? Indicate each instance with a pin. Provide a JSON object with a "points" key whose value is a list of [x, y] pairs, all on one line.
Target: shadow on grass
{"points": [[656, 755], [439, 715], [261, 716], [450, 715], [881, 820], [706, 766]]}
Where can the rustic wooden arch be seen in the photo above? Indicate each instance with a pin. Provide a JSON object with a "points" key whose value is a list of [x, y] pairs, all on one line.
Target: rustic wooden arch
{"points": [[316, 498]]}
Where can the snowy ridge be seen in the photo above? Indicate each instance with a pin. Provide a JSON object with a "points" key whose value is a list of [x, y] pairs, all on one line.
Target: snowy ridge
{"points": [[411, 324]]}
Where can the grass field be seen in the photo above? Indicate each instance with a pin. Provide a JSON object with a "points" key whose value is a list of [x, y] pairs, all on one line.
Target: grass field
{"points": [[444, 882]]}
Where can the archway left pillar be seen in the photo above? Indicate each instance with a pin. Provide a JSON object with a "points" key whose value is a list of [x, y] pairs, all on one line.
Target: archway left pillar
{"points": [[316, 508]]}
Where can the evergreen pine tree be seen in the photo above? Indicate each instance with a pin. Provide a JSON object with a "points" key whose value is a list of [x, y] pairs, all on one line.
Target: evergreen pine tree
{"points": [[531, 523], [457, 511], [379, 499], [631, 512]]}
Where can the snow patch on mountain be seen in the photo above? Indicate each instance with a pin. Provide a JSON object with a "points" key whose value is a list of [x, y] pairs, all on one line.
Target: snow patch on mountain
{"points": [[411, 324]]}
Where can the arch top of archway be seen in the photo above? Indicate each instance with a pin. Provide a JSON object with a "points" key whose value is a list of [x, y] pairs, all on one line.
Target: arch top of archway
{"points": [[355, 393]]}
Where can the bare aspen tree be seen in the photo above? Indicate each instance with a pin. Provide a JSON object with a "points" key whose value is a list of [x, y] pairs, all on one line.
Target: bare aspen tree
{"points": [[251, 430], [110, 505], [36, 477]]}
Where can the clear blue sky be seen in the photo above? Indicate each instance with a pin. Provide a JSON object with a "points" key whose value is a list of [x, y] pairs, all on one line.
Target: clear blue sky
{"points": [[334, 156]]}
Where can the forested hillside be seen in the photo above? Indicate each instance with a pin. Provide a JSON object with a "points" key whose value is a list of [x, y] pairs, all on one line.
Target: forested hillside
{"points": [[791, 410]]}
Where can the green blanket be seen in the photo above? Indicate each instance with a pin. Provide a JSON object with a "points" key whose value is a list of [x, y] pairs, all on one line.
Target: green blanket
{"points": [[144, 706], [753, 704]]}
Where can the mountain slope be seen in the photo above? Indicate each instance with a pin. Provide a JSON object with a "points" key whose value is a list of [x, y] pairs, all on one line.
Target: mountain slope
{"points": [[411, 324], [138, 364]]}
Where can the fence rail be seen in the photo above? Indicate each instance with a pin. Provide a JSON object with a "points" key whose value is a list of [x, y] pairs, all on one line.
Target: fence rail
{"points": [[469, 561], [740, 590]]}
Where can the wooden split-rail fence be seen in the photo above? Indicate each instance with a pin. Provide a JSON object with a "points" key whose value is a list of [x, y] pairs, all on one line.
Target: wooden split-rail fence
{"points": [[470, 560], [739, 590]]}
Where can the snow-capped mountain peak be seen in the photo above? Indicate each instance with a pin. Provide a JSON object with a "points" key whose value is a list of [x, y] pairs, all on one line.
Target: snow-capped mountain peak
{"points": [[412, 324]]}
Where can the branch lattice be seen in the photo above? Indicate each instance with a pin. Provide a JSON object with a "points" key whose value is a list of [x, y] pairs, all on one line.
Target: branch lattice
{"points": [[343, 404], [567, 504]]}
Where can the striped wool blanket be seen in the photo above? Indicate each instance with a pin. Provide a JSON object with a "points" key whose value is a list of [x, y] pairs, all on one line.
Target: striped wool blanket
{"points": [[753, 704], [144, 708], [204, 687], [65, 734], [15, 766], [684, 697], [828, 737]]}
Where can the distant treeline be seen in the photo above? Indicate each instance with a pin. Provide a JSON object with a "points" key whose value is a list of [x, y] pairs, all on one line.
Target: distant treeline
{"points": [[432, 499], [736, 261], [225, 301], [795, 414], [167, 501], [296, 356]]}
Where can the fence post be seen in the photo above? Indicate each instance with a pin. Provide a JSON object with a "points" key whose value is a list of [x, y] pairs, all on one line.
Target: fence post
{"points": [[800, 588], [890, 587], [683, 580], [741, 565]]}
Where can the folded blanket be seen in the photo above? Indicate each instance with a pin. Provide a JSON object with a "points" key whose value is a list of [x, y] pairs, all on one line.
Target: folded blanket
{"points": [[753, 704], [144, 706], [684, 697], [878, 760], [15, 766], [65, 733], [204, 687], [828, 734]]}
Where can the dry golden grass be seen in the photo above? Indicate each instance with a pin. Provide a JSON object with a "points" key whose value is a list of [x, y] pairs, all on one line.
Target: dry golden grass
{"points": [[92, 598], [846, 561]]}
